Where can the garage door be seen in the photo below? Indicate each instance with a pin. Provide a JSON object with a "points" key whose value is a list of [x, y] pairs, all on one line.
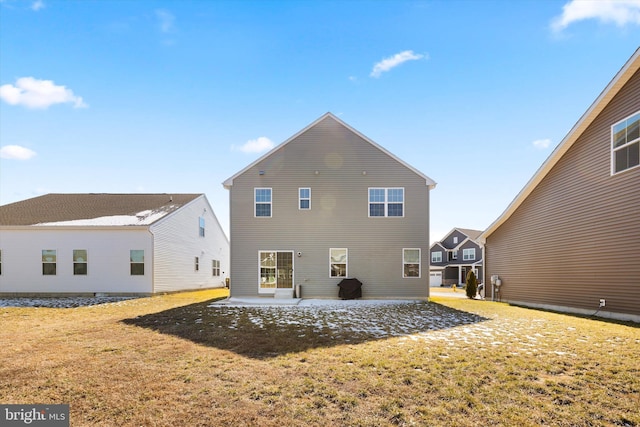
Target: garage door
{"points": [[435, 279]]}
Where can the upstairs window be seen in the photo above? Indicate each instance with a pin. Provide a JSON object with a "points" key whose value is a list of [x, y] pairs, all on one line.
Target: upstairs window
{"points": [[262, 197], [386, 202], [49, 262], [80, 262], [436, 256], [455, 240], [201, 226], [469, 254], [304, 199], [136, 258], [625, 144]]}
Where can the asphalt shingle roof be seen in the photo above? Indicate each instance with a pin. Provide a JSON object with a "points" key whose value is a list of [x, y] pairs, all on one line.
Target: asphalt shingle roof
{"points": [[52, 208]]}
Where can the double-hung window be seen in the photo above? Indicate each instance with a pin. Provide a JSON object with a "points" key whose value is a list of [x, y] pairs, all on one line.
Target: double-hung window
{"points": [[625, 144], [49, 262], [262, 198], [436, 256], [215, 267], [411, 262], [304, 199], [80, 262], [386, 202], [136, 258], [469, 254]]}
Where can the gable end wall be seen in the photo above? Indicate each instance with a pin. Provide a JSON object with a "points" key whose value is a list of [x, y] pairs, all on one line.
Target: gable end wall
{"points": [[576, 238]]}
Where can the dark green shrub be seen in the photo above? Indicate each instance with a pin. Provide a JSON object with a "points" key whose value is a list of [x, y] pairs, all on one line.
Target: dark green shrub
{"points": [[472, 284]]}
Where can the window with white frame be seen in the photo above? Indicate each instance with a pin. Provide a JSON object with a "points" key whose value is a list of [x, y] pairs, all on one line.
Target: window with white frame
{"points": [[411, 262], [136, 259], [436, 256], [625, 143], [201, 226], [469, 254], [454, 254], [455, 240], [262, 197], [49, 262], [304, 198], [79, 262], [386, 202], [215, 267], [338, 261]]}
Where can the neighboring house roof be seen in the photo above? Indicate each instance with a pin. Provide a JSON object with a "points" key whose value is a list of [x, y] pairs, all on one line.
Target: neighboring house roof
{"points": [[612, 89], [93, 209], [429, 182], [471, 234]]}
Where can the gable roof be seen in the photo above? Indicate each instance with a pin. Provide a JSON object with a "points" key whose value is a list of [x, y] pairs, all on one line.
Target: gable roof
{"points": [[612, 89], [329, 116], [93, 209]]}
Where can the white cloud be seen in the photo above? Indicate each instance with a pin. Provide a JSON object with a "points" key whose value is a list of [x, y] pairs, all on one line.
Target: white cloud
{"points": [[620, 12], [258, 145], [37, 5], [34, 93], [16, 152], [393, 61], [542, 143], [165, 20]]}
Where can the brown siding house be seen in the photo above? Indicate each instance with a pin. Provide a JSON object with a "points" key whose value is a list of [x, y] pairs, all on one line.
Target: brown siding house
{"points": [[571, 237]]}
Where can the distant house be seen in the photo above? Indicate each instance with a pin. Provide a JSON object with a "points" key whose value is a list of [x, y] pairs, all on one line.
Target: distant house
{"points": [[325, 205], [571, 237], [124, 244], [454, 256]]}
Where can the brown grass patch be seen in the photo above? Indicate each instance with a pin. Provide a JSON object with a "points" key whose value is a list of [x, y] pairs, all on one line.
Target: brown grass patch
{"points": [[172, 361]]}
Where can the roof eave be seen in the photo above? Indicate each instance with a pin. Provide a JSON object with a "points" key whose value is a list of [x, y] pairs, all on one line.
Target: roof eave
{"points": [[612, 89]]}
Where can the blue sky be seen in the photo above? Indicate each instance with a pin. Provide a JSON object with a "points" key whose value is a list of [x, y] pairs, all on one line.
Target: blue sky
{"points": [[177, 96]]}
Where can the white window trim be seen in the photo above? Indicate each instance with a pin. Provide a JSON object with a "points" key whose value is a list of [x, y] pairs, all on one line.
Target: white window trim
{"points": [[614, 149], [300, 198], [434, 253], [215, 267], [255, 202], [346, 263], [73, 262], [386, 202], [465, 256], [54, 262], [419, 263]]}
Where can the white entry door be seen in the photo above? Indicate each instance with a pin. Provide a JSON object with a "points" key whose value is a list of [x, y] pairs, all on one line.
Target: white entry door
{"points": [[276, 271]]}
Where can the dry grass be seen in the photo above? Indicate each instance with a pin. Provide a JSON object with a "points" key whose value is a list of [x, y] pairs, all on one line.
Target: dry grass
{"points": [[173, 361]]}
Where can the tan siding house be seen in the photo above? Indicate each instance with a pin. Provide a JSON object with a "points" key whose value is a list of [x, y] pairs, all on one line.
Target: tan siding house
{"points": [[572, 235], [325, 205]]}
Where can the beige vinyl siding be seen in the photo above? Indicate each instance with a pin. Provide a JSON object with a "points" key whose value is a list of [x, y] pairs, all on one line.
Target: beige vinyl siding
{"points": [[338, 217], [576, 238]]}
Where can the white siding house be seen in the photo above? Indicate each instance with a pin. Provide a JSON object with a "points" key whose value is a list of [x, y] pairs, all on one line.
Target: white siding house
{"points": [[125, 244]]}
